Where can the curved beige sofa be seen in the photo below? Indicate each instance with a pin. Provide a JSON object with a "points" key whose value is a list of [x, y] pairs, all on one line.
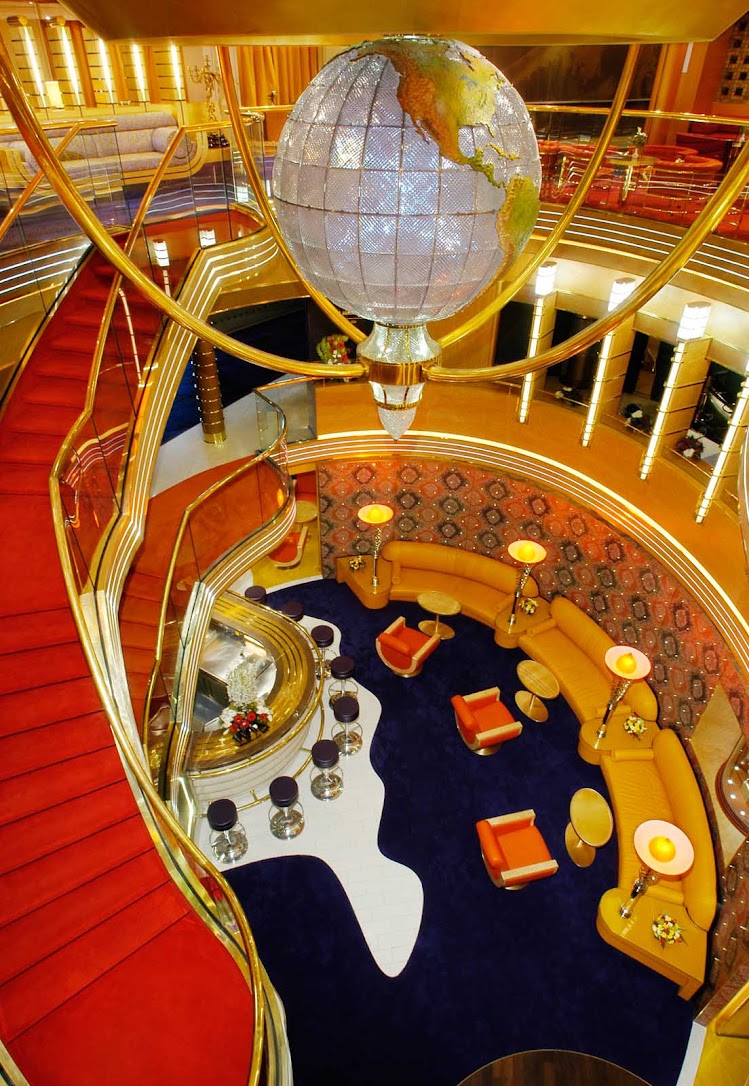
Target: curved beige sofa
{"points": [[482, 586], [573, 646], [659, 783]]}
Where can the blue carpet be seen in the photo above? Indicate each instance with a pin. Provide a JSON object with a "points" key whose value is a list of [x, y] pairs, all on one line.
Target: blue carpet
{"points": [[492, 972]]}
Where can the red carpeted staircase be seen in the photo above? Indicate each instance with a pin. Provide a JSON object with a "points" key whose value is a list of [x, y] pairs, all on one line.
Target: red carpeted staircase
{"points": [[107, 976]]}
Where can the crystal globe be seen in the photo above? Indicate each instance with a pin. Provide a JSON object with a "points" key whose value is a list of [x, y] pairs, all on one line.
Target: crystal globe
{"points": [[406, 179]]}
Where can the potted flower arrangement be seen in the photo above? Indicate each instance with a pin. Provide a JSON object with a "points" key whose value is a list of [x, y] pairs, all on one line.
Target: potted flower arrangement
{"points": [[666, 930], [637, 418], [246, 717], [528, 605], [333, 350], [690, 447], [634, 725], [356, 563]]}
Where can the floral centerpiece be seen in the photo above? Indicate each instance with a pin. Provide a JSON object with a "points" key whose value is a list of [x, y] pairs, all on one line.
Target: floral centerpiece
{"points": [[666, 930], [333, 350], [637, 418], [690, 447], [356, 563], [528, 605], [634, 725], [246, 717]]}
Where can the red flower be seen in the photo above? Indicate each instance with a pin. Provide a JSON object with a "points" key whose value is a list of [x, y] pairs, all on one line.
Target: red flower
{"points": [[251, 716], [238, 719]]}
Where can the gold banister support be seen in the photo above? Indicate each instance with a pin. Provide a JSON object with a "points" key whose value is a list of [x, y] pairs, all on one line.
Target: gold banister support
{"points": [[515, 285], [243, 146], [702, 226]]}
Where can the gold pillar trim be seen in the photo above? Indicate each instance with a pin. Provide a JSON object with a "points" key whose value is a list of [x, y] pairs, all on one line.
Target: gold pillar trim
{"points": [[705, 223], [395, 373], [515, 285]]}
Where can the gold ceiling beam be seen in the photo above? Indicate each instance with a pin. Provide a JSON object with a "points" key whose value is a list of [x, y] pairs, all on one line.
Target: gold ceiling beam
{"points": [[703, 225], [515, 285], [328, 22], [248, 161], [32, 132]]}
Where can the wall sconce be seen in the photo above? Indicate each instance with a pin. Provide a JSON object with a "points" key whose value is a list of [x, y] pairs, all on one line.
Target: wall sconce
{"points": [[546, 279], [53, 94], [530, 554], [207, 237], [375, 516], [663, 850], [693, 323], [621, 289], [627, 665]]}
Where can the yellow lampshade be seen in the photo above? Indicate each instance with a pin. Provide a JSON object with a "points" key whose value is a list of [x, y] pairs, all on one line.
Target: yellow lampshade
{"points": [[527, 552], [662, 848], [627, 663], [376, 513]]}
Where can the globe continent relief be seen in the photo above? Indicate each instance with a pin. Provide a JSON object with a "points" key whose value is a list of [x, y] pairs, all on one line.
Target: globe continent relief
{"points": [[407, 178]]}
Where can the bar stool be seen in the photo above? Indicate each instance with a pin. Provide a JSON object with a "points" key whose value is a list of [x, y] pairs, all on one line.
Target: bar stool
{"points": [[341, 670], [256, 593], [286, 816], [323, 638], [326, 775], [293, 610], [228, 838], [347, 732]]}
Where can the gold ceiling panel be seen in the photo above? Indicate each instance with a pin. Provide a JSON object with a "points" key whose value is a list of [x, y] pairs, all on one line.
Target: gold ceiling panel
{"points": [[473, 21]]}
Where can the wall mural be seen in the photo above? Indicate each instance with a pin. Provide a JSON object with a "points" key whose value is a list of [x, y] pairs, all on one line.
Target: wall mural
{"points": [[610, 576]]}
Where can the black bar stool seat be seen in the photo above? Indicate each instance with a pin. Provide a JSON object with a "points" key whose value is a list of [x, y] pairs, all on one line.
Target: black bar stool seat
{"points": [[256, 593], [293, 610]]}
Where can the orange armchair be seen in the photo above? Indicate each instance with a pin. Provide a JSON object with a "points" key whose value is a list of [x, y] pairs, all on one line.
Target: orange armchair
{"points": [[483, 721], [404, 650], [289, 553], [514, 851]]}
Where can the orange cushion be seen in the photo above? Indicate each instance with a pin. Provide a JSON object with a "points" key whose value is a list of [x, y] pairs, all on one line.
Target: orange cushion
{"points": [[523, 847], [490, 847], [493, 715], [397, 644]]}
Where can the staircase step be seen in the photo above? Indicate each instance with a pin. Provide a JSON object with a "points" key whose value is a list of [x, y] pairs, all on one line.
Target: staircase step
{"points": [[32, 581], [19, 711], [30, 668], [48, 790], [166, 968], [18, 478], [45, 931], [51, 744], [42, 835], [43, 420], [37, 629], [48, 878], [42, 988], [144, 586], [29, 449]]}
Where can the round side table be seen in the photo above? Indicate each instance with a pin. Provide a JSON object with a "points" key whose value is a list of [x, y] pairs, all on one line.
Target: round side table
{"points": [[439, 603], [590, 826], [539, 682]]}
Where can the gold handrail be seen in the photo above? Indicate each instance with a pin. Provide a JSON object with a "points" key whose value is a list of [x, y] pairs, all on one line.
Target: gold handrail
{"points": [[702, 226], [249, 962], [516, 284], [35, 181], [12, 91], [654, 114]]}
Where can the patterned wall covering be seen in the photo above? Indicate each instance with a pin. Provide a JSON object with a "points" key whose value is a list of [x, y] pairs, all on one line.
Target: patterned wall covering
{"points": [[633, 597]]}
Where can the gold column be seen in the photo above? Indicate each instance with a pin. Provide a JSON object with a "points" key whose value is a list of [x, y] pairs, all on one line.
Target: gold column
{"points": [[209, 393], [681, 395], [542, 329], [608, 382]]}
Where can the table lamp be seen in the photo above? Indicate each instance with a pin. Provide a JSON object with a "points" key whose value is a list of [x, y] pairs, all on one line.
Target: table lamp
{"points": [[627, 665], [663, 850], [529, 554], [374, 516]]}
